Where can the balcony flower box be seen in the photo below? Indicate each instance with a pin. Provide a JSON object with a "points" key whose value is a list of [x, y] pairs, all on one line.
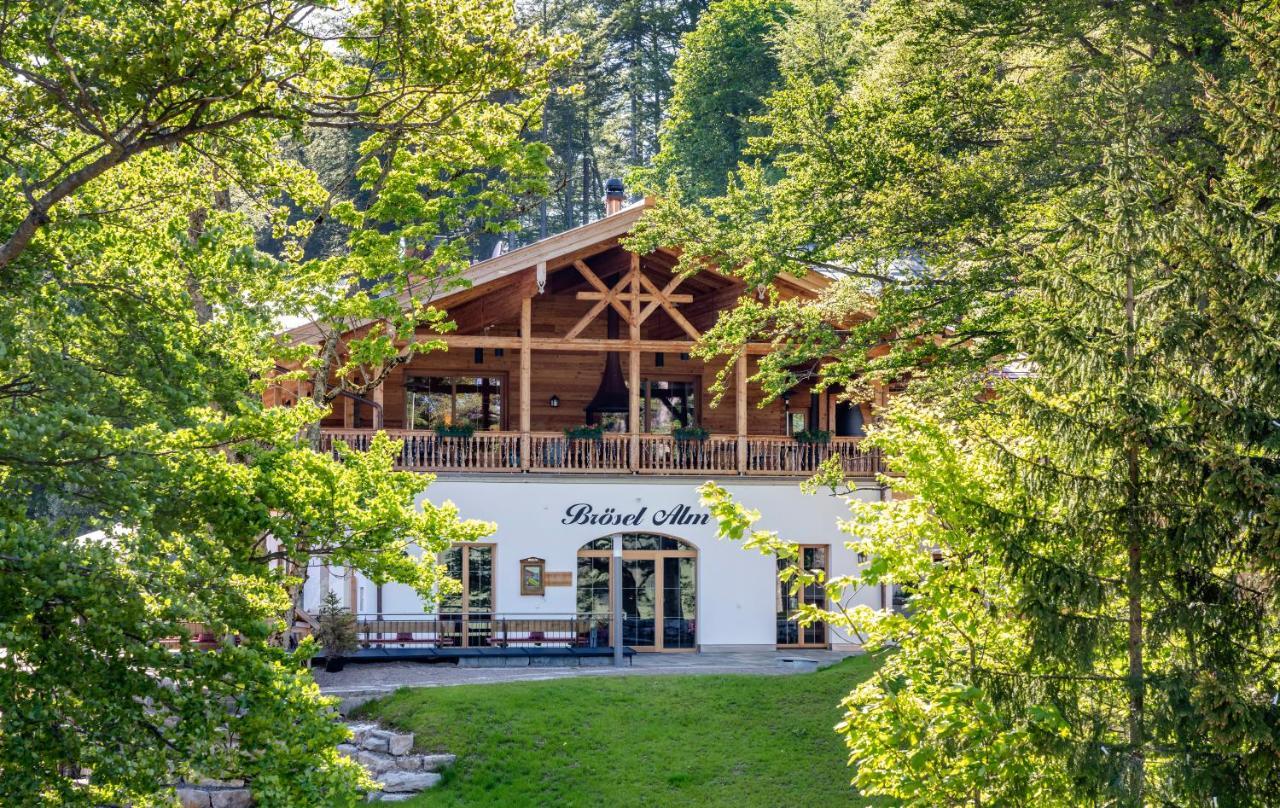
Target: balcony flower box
{"points": [[812, 436], [455, 430], [690, 433], [573, 433]]}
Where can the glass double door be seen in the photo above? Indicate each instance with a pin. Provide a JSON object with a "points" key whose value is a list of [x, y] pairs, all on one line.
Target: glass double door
{"points": [[659, 597], [466, 617], [813, 559], [659, 603]]}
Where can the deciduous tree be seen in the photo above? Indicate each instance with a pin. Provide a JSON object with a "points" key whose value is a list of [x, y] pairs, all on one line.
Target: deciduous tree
{"points": [[148, 149]]}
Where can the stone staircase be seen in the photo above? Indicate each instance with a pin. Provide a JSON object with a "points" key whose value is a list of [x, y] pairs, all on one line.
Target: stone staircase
{"points": [[388, 756]]}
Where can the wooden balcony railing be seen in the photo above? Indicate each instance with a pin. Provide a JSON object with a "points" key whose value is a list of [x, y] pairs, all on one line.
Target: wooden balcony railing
{"points": [[426, 451], [541, 452], [663, 454], [784, 455], [551, 451]]}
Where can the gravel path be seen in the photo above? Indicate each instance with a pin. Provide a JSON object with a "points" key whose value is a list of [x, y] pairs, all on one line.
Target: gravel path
{"points": [[377, 677]]}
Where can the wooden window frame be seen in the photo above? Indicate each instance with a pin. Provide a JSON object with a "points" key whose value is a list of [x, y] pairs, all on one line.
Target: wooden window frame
{"points": [[659, 582], [694, 378], [411, 373], [800, 548], [465, 608]]}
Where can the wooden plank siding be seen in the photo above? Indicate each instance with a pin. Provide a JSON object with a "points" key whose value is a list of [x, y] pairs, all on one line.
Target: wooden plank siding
{"points": [[660, 311], [574, 377]]}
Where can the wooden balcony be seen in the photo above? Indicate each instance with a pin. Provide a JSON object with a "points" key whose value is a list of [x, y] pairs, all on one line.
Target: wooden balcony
{"points": [[615, 453]]}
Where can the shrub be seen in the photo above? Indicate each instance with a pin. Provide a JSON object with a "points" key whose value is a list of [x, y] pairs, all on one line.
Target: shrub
{"points": [[455, 430], [690, 433]]}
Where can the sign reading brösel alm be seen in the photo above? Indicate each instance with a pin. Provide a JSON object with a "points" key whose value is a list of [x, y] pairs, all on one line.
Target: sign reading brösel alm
{"points": [[582, 513]]}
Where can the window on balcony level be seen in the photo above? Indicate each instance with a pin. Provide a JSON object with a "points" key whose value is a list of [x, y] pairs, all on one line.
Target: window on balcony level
{"points": [[433, 401], [666, 402]]}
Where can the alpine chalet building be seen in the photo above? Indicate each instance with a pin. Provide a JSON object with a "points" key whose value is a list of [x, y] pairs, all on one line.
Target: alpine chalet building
{"points": [[569, 411]]}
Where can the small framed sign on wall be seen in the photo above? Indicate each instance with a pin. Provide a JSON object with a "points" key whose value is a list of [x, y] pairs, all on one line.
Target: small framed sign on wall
{"points": [[531, 576]]}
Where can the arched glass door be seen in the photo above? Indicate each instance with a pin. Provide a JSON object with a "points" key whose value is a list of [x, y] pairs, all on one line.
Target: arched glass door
{"points": [[659, 589]]}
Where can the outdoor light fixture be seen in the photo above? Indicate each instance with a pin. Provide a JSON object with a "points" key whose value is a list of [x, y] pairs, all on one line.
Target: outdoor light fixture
{"points": [[479, 356], [684, 357], [499, 351], [554, 402], [659, 359]]}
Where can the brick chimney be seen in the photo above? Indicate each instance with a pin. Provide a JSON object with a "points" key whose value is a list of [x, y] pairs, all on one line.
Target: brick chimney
{"points": [[614, 196]]}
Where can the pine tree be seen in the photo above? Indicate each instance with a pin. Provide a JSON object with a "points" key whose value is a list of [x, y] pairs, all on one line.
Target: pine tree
{"points": [[724, 71], [1063, 233]]}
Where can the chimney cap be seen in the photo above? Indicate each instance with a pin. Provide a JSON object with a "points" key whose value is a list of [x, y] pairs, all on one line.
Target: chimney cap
{"points": [[613, 188]]}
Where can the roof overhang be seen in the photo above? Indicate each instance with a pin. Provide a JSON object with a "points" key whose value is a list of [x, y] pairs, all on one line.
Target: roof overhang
{"points": [[555, 252]]}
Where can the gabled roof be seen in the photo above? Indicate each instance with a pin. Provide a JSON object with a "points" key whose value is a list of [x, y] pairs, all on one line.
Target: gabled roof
{"points": [[555, 252]]}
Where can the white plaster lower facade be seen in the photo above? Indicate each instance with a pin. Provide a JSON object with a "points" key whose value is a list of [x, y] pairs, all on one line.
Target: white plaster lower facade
{"points": [[736, 589]]}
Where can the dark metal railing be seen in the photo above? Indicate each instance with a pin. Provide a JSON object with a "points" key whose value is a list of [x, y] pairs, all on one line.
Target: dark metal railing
{"points": [[482, 630]]}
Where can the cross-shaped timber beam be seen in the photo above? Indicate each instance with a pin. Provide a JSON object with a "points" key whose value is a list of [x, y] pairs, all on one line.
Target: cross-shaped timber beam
{"points": [[645, 297], [608, 296], [666, 300], [665, 295], [628, 291]]}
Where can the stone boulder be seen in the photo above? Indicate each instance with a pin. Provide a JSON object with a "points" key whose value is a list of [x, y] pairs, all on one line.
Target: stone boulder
{"points": [[398, 781]]}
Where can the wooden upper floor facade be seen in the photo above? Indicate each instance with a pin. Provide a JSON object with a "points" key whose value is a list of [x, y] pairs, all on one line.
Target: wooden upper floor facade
{"points": [[574, 331]]}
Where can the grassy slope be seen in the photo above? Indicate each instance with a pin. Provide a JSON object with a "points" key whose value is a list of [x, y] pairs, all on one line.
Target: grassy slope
{"points": [[637, 740]]}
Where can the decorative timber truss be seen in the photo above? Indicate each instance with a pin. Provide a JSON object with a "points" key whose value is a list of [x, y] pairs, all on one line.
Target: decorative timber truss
{"points": [[665, 313]]}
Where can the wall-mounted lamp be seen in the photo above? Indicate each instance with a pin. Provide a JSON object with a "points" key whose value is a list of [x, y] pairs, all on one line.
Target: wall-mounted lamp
{"points": [[499, 351], [659, 359], [684, 357], [554, 402], [479, 356]]}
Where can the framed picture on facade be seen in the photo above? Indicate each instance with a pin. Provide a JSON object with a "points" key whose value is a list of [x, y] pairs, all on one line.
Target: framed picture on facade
{"points": [[531, 576]]}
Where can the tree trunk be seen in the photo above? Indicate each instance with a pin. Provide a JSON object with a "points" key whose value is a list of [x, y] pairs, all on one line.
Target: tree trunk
{"points": [[586, 169], [1137, 683]]}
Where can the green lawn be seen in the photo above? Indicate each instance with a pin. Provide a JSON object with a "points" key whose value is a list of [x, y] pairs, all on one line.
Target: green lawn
{"points": [[637, 740]]}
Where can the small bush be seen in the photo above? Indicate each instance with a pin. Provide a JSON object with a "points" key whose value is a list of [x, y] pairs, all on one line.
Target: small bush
{"points": [[690, 433], [455, 430]]}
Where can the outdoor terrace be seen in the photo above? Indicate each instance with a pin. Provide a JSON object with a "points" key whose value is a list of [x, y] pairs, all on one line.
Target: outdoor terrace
{"points": [[615, 453]]}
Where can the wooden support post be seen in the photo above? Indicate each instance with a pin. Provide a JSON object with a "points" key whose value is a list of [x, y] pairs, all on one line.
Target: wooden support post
{"points": [[633, 385], [348, 412], [740, 383], [526, 379]]}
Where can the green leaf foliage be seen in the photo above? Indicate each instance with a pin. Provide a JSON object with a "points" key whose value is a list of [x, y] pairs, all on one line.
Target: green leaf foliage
{"points": [[725, 70], [1055, 223], [157, 520]]}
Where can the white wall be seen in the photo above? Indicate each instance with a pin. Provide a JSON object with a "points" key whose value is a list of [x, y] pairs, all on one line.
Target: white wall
{"points": [[736, 587]]}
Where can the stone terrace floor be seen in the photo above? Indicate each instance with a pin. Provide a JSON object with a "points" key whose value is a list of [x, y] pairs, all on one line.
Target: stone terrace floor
{"points": [[382, 677]]}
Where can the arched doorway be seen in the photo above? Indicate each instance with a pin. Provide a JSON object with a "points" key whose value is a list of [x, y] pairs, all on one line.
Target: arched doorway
{"points": [[659, 589]]}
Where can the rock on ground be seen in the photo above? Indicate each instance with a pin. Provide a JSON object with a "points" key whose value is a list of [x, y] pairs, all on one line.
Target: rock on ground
{"points": [[388, 756], [408, 781]]}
